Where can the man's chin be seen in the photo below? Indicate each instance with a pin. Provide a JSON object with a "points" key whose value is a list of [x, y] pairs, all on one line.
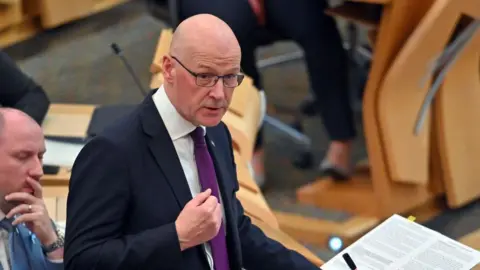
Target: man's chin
{"points": [[210, 122]]}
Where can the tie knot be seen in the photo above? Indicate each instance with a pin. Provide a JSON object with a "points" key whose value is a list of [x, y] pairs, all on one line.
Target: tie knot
{"points": [[198, 136], [6, 224]]}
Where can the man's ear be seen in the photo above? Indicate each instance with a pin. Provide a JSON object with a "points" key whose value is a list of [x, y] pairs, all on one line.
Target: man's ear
{"points": [[168, 69]]}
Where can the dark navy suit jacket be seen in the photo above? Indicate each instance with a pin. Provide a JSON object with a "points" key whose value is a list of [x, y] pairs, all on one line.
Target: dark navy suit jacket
{"points": [[127, 189]]}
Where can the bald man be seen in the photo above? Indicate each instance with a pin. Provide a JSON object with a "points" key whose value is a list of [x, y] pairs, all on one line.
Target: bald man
{"points": [[28, 239], [157, 189]]}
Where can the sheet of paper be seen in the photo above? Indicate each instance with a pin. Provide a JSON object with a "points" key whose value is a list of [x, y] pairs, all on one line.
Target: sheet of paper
{"points": [[61, 153], [401, 244]]}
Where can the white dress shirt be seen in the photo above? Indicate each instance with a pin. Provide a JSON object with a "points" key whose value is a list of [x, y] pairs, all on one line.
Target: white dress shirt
{"points": [[179, 130]]}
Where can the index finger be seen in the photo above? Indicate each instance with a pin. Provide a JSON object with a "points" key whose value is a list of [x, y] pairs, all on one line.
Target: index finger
{"points": [[37, 188]]}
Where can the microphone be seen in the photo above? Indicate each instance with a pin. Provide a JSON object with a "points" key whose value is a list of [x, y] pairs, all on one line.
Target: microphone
{"points": [[349, 261], [116, 49]]}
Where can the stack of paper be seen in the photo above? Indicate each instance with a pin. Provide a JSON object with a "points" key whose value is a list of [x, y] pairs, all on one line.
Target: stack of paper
{"points": [[61, 153], [399, 243]]}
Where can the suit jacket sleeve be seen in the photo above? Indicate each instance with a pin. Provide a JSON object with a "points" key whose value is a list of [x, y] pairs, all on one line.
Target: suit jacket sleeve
{"points": [[21, 92], [260, 252], [98, 205]]}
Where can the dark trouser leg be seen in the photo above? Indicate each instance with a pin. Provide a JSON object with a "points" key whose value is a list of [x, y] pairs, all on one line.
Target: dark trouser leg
{"points": [[240, 17], [304, 22]]}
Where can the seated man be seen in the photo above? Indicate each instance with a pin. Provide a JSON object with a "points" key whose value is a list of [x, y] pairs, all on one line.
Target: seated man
{"points": [[305, 23], [157, 189], [28, 238], [21, 92]]}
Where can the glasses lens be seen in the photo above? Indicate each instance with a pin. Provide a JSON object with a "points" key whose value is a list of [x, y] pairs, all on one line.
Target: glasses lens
{"points": [[230, 81], [205, 80]]}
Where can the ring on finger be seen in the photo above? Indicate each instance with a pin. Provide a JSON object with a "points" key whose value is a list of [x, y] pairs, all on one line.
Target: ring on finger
{"points": [[30, 208]]}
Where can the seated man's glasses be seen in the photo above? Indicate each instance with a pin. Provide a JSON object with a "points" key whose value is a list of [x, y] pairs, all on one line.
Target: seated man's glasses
{"points": [[209, 80]]}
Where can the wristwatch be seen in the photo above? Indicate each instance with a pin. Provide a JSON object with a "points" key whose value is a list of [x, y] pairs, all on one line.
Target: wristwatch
{"points": [[55, 245]]}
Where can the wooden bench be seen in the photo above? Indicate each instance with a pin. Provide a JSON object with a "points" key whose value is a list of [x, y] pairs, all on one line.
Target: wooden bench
{"points": [[22, 19], [407, 173]]}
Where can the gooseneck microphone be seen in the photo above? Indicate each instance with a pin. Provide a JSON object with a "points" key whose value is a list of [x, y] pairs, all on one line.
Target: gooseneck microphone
{"points": [[116, 49]]}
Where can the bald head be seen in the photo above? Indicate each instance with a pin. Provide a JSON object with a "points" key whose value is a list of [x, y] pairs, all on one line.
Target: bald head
{"points": [[203, 32], [10, 118], [203, 69]]}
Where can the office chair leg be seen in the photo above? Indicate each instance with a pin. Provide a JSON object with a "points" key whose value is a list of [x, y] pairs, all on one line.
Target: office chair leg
{"points": [[294, 134]]}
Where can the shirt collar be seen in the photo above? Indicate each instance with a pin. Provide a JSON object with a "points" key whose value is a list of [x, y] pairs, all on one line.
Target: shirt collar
{"points": [[176, 125]]}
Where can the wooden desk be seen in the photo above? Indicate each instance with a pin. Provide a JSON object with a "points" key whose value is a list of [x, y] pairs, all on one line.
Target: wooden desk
{"points": [[65, 120], [472, 240], [68, 120]]}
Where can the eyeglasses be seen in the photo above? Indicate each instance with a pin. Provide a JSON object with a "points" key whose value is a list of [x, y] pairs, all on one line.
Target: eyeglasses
{"points": [[209, 80]]}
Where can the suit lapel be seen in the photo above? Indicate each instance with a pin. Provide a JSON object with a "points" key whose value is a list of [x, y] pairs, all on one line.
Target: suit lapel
{"points": [[166, 157], [163, 151]]}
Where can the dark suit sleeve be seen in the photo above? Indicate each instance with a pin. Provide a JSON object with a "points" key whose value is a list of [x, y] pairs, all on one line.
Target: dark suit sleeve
{"points": [[20, 92], [260, 252], [97, 207]]}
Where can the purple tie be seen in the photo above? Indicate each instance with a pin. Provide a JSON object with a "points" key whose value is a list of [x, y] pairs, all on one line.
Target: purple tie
{"points": [[208, 180]]}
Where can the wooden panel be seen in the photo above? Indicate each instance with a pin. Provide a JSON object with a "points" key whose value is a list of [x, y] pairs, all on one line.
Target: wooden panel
{"points": [[10, 15], [163, 47], [287, 241], [102, 5], [239, 130], [244, 176], [51, 205], [399, 19], [55, 191], [355, 196], [19, 32], [318, 232], [9, 2], [58, 12], [472, 240], [68, 120], [255, 206], [458, 105], [60, 179], [403, 93]]}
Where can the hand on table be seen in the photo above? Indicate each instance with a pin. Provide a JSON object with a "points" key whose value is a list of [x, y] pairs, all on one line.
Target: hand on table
{"points": [[33, 212], [199, 221]]}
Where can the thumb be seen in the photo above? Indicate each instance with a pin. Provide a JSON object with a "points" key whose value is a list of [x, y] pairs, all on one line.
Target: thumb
{"points": [[201, 197]]}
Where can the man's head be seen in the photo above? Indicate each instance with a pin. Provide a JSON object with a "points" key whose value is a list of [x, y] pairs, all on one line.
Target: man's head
{"points": [[203, 47], [21, 150]]}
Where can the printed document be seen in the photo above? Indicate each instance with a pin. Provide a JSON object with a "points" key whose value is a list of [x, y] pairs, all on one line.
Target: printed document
{"points": [[401, 244], [61, 153]]}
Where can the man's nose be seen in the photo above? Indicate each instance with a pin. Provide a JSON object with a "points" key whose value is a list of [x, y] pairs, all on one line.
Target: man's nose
{"points": [[37, 169], [218, 91]]}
